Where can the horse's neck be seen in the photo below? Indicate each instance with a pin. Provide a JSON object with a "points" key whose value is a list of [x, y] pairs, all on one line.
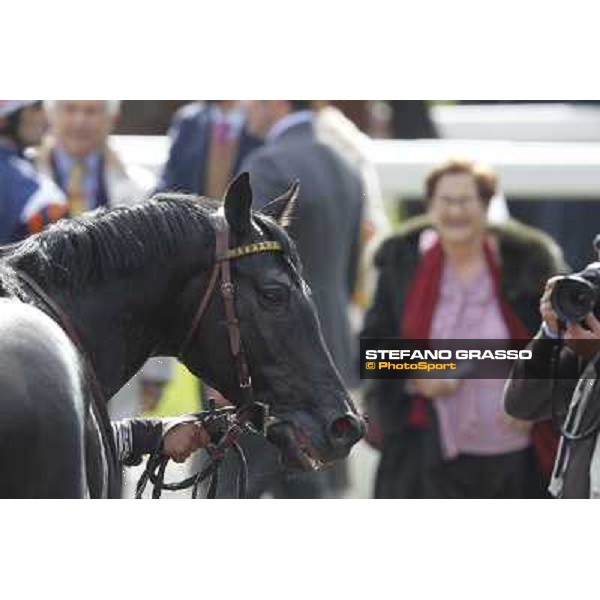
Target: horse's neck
{"points": [[123, 326], [112, 334]]}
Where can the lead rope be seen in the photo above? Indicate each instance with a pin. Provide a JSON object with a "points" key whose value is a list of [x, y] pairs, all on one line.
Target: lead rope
{"points": [[212, 420]]}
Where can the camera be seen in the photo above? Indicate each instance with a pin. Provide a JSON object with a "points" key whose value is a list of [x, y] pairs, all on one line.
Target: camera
{"points": [[577, 295]]}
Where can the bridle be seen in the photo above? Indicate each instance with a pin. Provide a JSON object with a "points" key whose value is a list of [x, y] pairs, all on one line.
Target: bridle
{"points": [[229, 423], [223, 257], [224, 424]]}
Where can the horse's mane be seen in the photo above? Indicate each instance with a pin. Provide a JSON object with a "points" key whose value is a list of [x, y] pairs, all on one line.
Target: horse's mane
{"points": [[73, 253]]}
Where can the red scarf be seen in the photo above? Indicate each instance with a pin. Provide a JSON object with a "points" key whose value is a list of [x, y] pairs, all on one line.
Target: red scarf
{"points": [[417, 316]]}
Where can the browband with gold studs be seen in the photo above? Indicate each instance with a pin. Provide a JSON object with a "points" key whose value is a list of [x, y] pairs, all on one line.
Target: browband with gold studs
{"points": [[255, 248]]}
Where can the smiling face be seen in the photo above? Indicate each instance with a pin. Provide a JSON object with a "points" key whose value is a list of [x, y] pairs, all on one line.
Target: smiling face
{"points": [[81, 126], [456, 208]]}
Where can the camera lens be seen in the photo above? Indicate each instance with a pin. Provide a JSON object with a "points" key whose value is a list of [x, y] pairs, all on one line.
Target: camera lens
{"points": [[573, 298]]}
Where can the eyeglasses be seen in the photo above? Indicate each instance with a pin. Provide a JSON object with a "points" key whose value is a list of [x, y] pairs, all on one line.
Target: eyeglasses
{"points": [[460, 202]]}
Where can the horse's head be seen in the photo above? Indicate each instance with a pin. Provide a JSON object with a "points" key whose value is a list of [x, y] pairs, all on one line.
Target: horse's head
{"points": [[291, 369]]}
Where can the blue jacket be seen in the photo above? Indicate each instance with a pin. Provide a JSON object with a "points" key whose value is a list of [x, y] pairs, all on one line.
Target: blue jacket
{"points": [[28, 201], [184, 171]]}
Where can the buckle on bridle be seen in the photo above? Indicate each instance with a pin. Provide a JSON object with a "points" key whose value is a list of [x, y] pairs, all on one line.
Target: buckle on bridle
{"points": [[255, 416], [227, 289]]}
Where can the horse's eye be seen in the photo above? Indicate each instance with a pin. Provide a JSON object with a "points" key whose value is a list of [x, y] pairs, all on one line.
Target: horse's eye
{"points": [[275, 295]]}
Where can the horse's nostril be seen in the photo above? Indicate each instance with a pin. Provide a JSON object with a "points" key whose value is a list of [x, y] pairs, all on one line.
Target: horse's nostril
{"points": [[347, 429], [340, 427]]}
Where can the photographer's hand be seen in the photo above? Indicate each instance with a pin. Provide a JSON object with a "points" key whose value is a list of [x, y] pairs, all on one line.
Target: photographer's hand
{"points": [[548, 315]]}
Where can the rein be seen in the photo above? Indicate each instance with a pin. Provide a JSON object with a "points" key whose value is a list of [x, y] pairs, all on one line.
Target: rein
{"points": [[223, 425]]}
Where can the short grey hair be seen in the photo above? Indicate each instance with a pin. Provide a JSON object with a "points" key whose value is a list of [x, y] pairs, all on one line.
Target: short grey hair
{"points": [[112, 106]]}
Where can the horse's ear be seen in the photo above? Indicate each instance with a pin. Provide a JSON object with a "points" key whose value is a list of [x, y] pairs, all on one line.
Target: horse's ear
{"points": [[238, 200], [281, 208]]}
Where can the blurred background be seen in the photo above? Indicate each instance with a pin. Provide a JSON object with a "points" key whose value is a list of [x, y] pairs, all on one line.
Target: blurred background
{"points": [[546, 155], [544, 151]]}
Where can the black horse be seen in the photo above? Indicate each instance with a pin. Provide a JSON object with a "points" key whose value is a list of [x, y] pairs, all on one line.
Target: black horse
{"points": [[128, 282]]}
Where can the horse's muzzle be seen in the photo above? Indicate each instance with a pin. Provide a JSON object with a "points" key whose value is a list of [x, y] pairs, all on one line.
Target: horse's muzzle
{"points": [[298, 450], [345, 431]]}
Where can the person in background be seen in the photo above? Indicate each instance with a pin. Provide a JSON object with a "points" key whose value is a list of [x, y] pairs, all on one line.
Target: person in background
{"points": [[28, 200], [333, 128], [76, 154], [560, 382], [325, 227], [209, 141], [327, 217], [453, 275], [32, 125]]}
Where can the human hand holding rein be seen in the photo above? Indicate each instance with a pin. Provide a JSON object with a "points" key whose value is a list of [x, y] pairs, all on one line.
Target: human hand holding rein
{"points": [[183, 440]]}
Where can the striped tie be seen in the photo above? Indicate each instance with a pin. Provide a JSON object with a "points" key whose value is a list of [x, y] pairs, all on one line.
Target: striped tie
{"points": [[76, 198]]}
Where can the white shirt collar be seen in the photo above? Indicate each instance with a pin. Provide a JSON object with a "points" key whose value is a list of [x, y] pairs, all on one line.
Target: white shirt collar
{"points": [[287, 122]]}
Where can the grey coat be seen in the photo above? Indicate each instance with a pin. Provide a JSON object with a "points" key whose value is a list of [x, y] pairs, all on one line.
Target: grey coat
{"points": [[325, 226], [531, 394]]}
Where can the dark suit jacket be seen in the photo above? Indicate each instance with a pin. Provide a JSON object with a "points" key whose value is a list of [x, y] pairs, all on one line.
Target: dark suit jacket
{"points": [[325, 226], [184, 171]]}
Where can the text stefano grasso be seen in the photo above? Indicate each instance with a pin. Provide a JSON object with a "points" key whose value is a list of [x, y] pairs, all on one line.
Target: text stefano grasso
{"points": [[497, 354]]}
